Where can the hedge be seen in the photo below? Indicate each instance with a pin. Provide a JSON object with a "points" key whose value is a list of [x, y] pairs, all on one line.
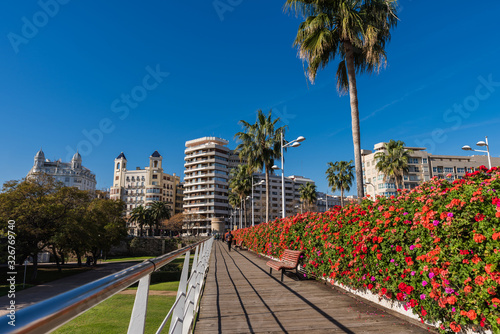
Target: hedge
{"points": [[436, 248]]}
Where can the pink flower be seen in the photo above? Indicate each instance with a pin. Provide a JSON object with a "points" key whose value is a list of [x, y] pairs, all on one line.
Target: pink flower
{"points": [[422, 296], [431, 275], [450, 214], [436, 223], [424, 283]]}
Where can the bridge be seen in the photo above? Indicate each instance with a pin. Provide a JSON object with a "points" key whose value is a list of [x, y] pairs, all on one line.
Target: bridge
{"points": [[238, 295], [241, 297]]}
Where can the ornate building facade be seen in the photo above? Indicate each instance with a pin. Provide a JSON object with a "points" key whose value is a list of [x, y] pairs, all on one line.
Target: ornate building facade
{"points": [[144, 186], [71, 174]]}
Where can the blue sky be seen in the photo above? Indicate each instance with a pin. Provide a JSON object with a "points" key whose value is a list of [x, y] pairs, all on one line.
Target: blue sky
{"points": [[68, 73]]}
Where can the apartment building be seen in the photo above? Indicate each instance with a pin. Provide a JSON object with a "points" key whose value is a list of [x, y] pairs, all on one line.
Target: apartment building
{"points": [[422, 167], [208, 162], [144, 186]]}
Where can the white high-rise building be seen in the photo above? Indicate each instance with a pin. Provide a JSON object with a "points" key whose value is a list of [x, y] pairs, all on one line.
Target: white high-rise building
{"points": [[71, 174], [206, 183]]}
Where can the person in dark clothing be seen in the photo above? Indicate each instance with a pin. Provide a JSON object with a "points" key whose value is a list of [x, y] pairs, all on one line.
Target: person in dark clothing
{"points": [[229, 240]]}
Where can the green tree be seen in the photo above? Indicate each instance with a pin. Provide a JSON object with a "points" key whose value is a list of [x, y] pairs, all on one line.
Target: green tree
{"points": [[393, 161], [32, 204], [260, 144], [105, 224], [340, 176], [71, 233], [140, 216], [241, 184], [158, 211], [308, 195], [354, 31], [234, 200]]}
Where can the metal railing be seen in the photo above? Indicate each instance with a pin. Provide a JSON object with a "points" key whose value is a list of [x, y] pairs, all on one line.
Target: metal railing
{"points": [[52, 313]]}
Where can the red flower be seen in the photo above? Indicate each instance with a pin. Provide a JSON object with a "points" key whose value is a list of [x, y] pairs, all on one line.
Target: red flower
{"points": [[471, 314], [402, 286], [424, 312], [454, 327], [399, 248], [409, 289], [479, 238], [480, 280], [400, 296]]}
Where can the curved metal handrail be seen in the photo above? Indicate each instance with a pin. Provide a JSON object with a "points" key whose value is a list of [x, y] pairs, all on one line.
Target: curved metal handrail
{"points": [[51, 313]]}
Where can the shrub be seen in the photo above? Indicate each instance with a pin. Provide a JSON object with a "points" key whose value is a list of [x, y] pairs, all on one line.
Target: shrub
{"points": [[436, 248]]}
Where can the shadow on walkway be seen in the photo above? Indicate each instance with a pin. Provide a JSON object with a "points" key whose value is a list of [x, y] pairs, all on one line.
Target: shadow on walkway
{"points": [[240, 296]]}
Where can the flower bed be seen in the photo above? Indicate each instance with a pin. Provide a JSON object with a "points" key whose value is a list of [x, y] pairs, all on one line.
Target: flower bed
{"points": [[436, 248]]}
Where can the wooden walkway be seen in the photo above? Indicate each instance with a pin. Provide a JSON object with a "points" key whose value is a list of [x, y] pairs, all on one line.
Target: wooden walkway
{"points": [[241, 297]]}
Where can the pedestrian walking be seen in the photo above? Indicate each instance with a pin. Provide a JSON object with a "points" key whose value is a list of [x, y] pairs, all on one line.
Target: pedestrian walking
{"points": [[229, 240]]}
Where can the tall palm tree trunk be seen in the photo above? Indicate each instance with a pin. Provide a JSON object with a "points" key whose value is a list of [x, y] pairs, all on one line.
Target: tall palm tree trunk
{"points": [[267, 193], [341, 197], [353, 94]]}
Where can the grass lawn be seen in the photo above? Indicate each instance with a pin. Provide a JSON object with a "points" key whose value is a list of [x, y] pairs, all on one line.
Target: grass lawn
{"points": [[100, 319], [163, 286], [113, 315], [137, 258], [45, 274]]}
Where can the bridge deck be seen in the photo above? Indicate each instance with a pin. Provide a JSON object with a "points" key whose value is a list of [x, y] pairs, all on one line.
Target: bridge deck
{"points": [[241, 297]]}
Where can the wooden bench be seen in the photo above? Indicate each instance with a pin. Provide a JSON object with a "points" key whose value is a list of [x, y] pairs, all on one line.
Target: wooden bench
{"points": [[289, 261], [239, 244]]}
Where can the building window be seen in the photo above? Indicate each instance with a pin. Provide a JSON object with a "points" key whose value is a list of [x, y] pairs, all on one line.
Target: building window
{"points": [[424, 160], [155, 164], [413, 160], [155, 176], [118, 165], [116, 177]]}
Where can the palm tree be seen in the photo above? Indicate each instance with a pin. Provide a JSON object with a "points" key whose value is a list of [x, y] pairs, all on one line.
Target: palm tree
{"points": [[158, 211], [241, 185], [354, 31], [393, 161], [308, 194], [140, 216], [340, 176], [234, 200], [260, 145]]}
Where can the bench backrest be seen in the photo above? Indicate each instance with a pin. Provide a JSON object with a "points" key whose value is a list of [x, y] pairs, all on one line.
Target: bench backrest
{"points": [[292, 256]]}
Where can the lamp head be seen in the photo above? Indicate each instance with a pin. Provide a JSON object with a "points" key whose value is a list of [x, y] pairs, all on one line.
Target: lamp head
{"points": [[295, 144], [275, 167], [466, 148], [481, 143], [300, 138]]}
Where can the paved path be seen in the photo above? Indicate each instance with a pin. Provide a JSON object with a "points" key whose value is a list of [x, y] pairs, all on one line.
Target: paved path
{"points": [[44, 291], [241, 297]]}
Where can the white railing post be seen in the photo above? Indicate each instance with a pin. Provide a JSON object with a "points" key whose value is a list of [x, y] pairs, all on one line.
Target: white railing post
{"points": [[195, 260], [138, 318], [177, 321]]}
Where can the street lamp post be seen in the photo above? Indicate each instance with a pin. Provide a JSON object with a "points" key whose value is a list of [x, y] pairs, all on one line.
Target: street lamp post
{"points": [[253, 200], [480, 143], [293, 143]]}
